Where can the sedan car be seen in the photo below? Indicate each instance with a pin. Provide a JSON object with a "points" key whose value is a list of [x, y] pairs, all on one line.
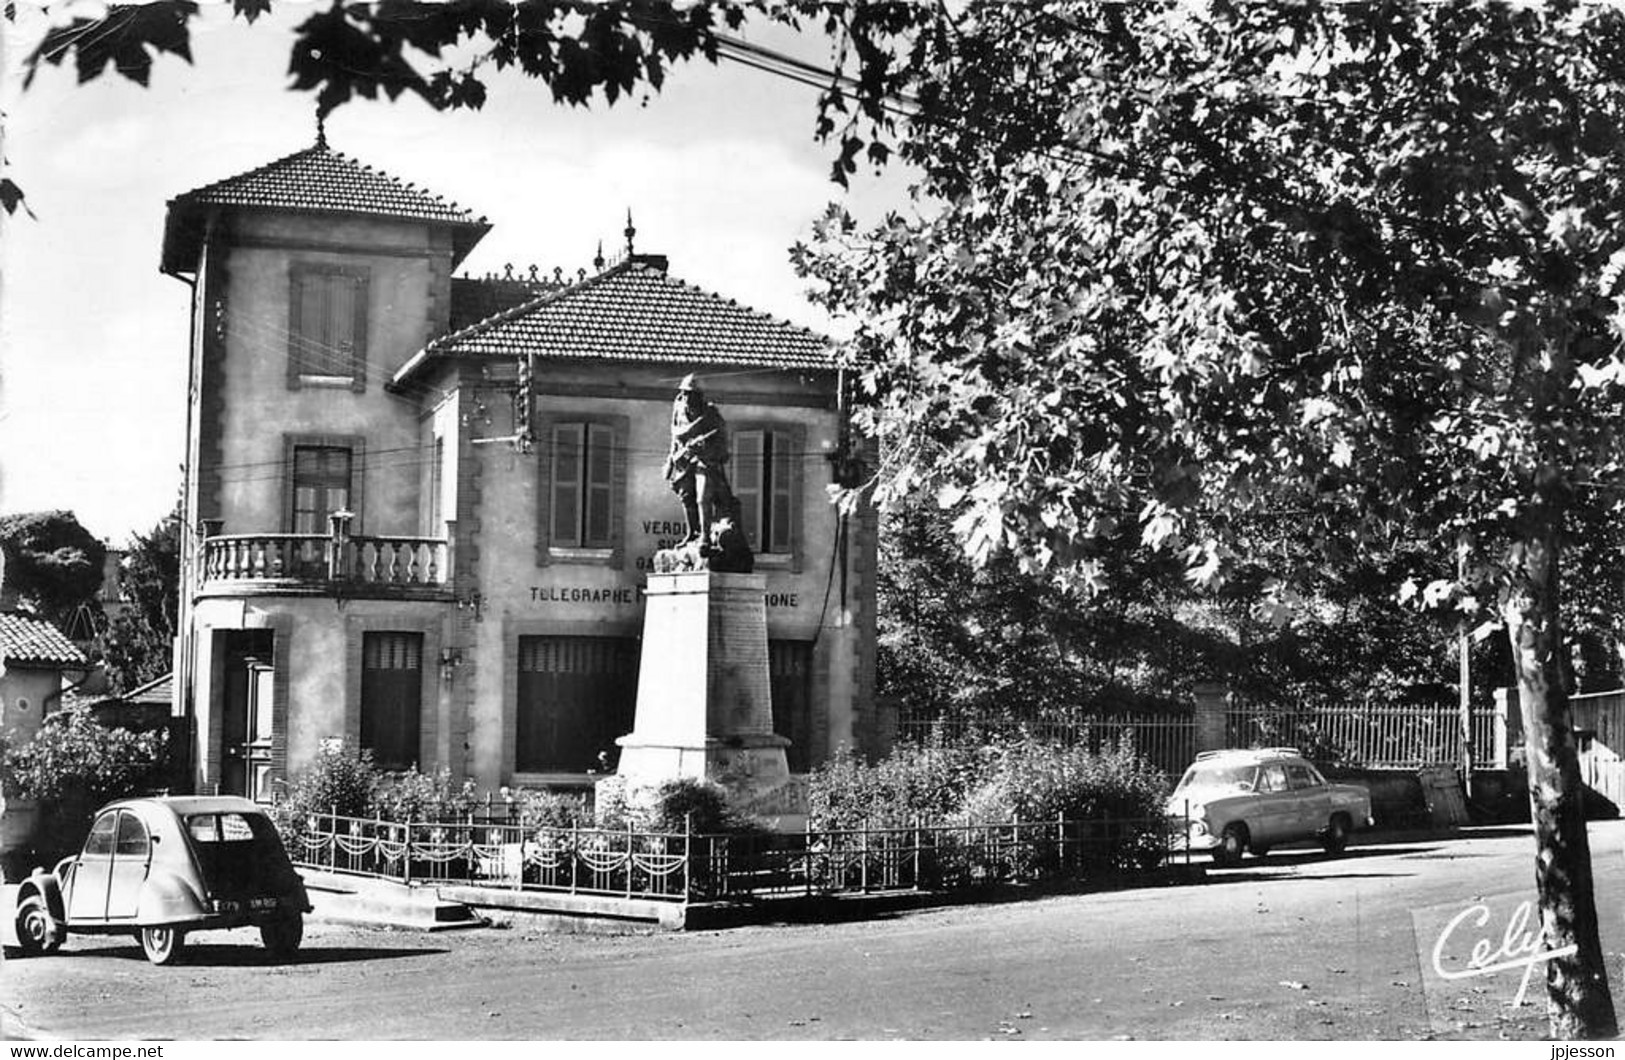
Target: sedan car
{"points": [[1234, 801], [159, 869]]}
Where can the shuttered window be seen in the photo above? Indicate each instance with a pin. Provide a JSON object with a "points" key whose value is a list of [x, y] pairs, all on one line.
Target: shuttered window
{"points": [[583, 484], [392, 698], [327, 326], [576, 695], [763, 482]]}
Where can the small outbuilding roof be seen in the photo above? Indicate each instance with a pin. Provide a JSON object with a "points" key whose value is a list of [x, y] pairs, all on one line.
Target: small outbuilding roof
{"points": [[29, 641]]}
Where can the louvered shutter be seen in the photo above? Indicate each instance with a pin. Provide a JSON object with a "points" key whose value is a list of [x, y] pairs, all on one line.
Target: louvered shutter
{"points": [[600, 473], [566, 519]]}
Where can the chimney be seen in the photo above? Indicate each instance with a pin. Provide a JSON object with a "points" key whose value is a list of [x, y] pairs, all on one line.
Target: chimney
{"points": [[8, 593]]}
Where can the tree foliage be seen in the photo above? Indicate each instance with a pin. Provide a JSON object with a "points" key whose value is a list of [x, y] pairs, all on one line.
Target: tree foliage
{"points": [[997, 644], [137, 643], [1192, 268], [53, 563]]}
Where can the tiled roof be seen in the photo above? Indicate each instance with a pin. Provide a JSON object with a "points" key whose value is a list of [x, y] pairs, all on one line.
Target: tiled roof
{"points": [[25, 640], [158, 690], [634, 311], [321, 180]]}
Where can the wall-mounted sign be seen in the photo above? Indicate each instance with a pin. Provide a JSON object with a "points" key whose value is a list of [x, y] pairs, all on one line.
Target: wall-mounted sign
{"points": [[581, 594]]}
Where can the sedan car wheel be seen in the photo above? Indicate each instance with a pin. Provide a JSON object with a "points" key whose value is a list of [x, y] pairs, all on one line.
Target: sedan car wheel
{"points": [[1336, 837], [282, 937], [1232, 843], [35, 932], [162, 944]]}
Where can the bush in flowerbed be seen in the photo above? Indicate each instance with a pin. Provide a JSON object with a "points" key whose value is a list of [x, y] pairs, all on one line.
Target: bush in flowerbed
{"points": [[1109, 802], [412, 796], [914, 784], [538, 808], [342, 780], [69, 769]]}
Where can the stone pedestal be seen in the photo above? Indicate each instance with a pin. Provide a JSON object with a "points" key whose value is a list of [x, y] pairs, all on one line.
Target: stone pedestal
{"points": [[704, 706]]}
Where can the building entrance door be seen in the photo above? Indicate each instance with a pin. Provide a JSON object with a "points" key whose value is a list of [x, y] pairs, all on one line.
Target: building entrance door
{"points": [[246, 736]]}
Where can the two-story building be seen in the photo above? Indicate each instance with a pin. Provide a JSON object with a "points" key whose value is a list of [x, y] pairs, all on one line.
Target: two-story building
{"points": [[423, 505]]}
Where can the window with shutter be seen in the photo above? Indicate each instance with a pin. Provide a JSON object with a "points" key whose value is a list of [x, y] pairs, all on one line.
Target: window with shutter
{"points": [[583, 485], [764, 484], [327, 326]]}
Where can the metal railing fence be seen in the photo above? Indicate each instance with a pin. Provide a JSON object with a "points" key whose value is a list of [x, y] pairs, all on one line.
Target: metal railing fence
{"points": [[683, 866]]}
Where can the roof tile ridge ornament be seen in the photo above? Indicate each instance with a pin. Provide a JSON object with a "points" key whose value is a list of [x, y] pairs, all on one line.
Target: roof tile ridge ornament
{"points": [[545, 297]]}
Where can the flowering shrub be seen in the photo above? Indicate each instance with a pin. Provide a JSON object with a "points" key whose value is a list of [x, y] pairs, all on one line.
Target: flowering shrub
{"points": [[413, 796], [342, 780], [1032, 780], [548, 809], [71, 767], [72, 756], [1110, 800], [911, 784]]}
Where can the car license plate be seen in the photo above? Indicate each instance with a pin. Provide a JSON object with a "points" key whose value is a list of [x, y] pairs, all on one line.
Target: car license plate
{"points": [[262, 903]]}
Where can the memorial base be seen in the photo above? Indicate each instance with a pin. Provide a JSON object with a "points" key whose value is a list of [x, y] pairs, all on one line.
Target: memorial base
{"points": [[704, 708]]}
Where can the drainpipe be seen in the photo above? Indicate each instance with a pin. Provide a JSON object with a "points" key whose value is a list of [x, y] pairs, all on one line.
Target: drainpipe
{"points": [[184, 654]]}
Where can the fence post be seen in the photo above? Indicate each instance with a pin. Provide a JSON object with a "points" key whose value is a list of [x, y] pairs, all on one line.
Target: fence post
{"points": [[406, 854], [807, 854], [333, 837], [629, 857], [575, 852], [916, 830], [1060, 842], [863, 857], [688, 857]]}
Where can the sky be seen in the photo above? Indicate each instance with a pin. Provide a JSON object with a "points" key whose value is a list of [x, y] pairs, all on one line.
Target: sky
{"points": [[720, 170]]}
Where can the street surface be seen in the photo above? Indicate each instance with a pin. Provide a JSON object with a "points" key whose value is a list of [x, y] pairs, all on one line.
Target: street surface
{"points": [[1296, 945]]}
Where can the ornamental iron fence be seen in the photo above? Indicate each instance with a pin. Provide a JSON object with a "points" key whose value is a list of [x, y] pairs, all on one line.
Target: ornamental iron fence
{"points": [[689, 867]]}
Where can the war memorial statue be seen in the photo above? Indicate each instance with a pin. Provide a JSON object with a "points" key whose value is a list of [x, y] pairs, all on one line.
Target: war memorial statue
{"points": [[696, 467], [705, 700]]}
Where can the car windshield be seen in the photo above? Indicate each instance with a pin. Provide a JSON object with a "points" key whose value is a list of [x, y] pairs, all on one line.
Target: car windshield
{"points": [[1218, 775]]}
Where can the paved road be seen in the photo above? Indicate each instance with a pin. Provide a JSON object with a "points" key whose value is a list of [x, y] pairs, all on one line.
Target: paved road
{"points": [[1297, 945]]}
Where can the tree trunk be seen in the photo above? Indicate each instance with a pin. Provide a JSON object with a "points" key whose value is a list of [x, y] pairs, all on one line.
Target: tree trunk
{"points": [[1578, 1000]]}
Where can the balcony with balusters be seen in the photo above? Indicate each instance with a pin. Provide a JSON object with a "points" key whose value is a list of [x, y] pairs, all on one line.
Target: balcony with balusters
{"points": [[337, 563]]}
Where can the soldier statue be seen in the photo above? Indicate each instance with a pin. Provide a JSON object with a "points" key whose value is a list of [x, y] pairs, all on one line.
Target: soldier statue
{"points": [[696, 469]]}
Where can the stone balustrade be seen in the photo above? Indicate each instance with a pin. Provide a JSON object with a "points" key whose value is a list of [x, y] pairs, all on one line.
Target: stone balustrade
{"points": [[314, 560]]}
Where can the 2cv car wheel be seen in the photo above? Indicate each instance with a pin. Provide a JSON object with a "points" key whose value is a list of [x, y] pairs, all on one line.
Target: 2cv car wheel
{"points": [[162, 945], [35, 932], [282, 937]]}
